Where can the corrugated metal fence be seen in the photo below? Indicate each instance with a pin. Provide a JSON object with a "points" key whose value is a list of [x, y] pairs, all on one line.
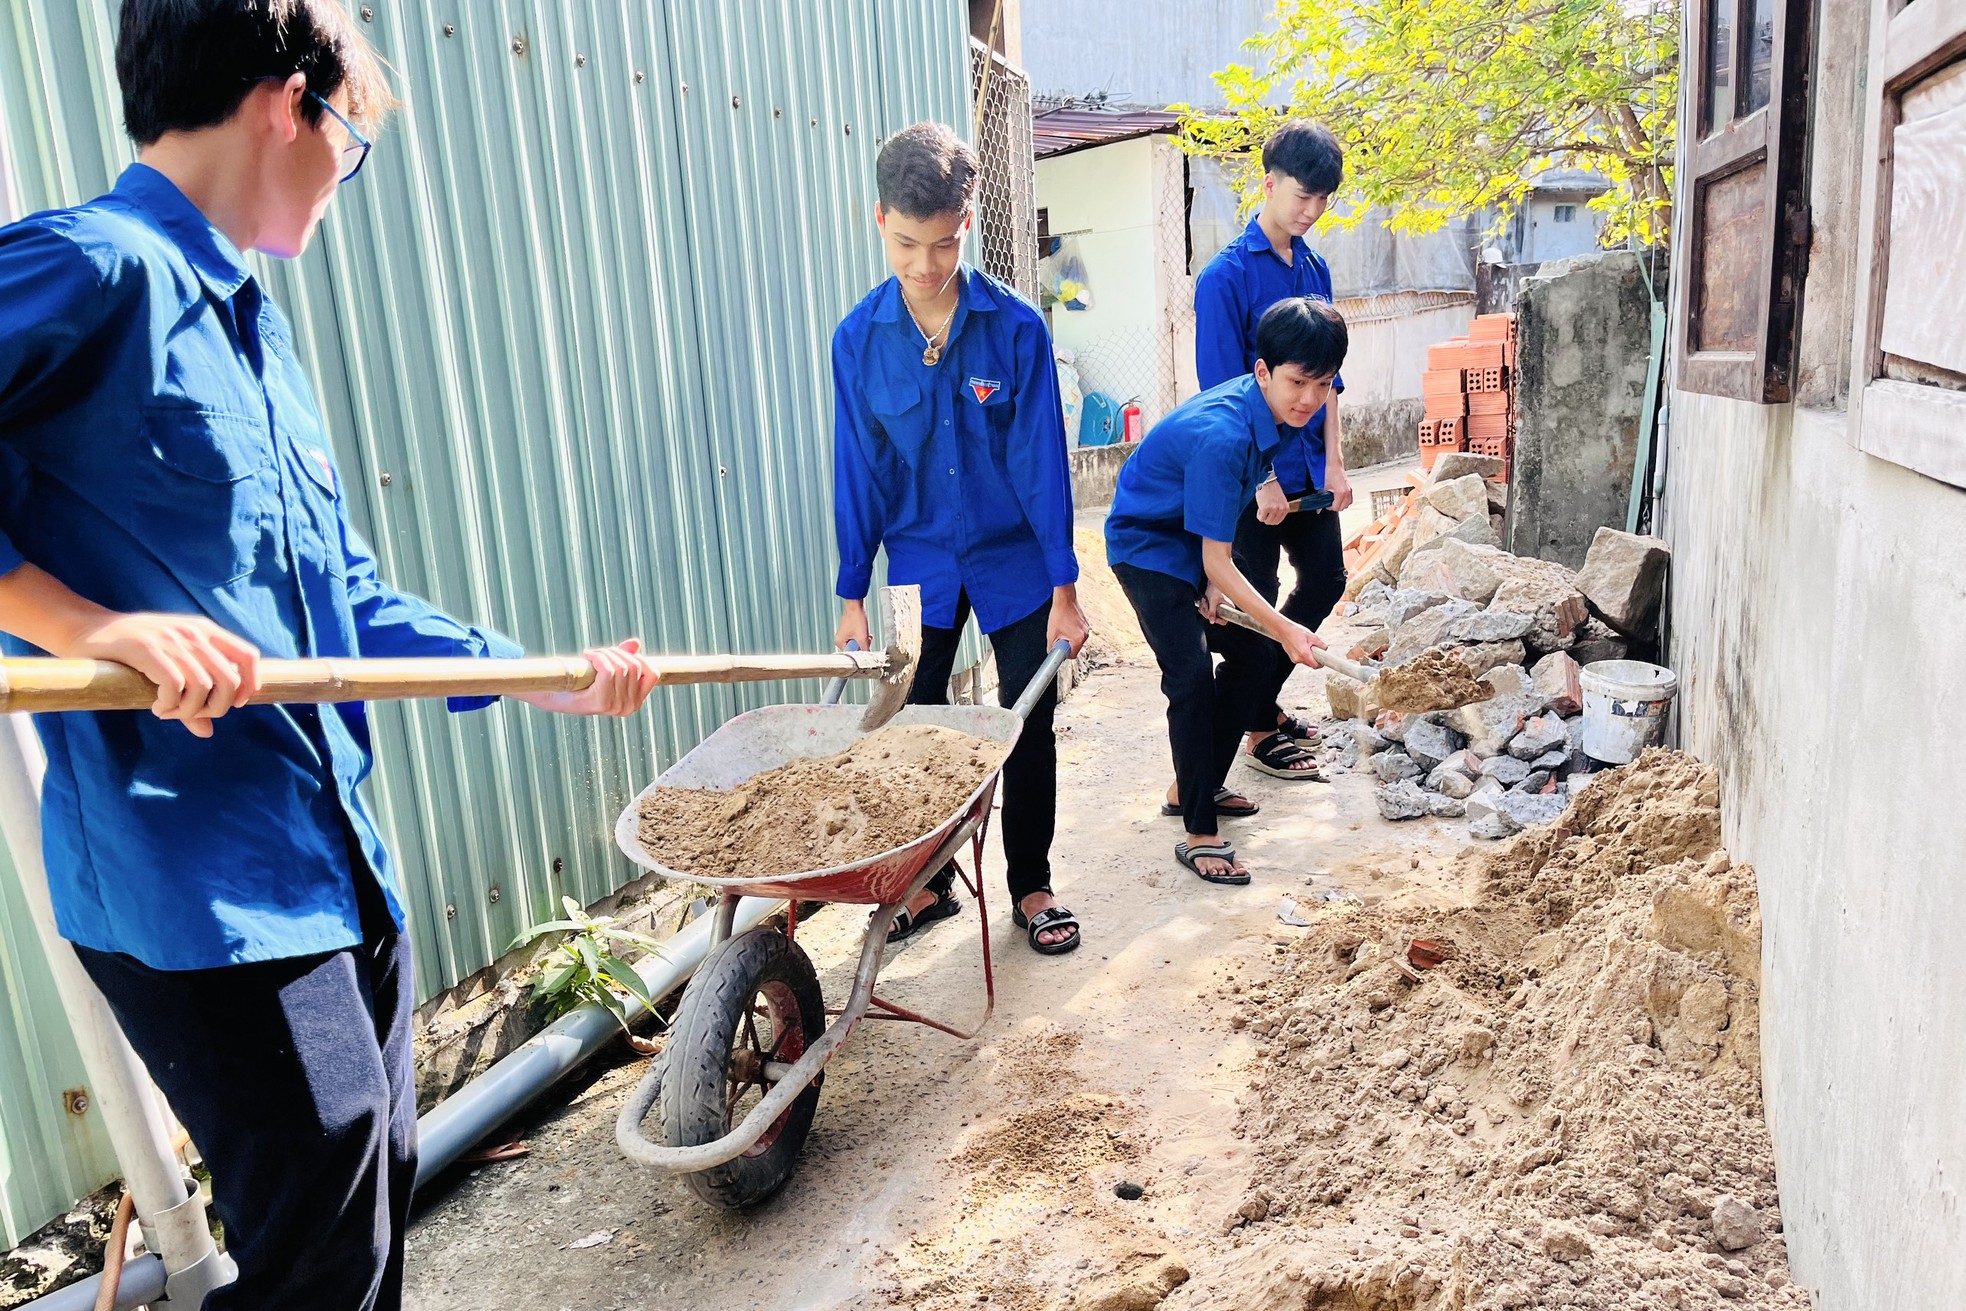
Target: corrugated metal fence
{"points": [[570, 331]]}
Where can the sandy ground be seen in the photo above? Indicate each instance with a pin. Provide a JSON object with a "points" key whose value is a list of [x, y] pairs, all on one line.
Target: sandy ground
{"points": [[999, 1158]]}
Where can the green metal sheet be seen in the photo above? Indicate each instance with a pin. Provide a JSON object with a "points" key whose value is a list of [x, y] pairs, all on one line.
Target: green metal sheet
{"points": [[570, 330]]}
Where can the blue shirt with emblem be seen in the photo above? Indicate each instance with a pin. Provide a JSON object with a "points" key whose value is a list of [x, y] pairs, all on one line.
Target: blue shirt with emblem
{"points": [[1231, 296], [958, 468], [1192, 477], [160, 450]]}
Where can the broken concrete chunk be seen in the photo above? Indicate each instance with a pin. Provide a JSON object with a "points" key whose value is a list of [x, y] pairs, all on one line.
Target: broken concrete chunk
{"points": [[1426, 630], [1460, 498], [1455, 567], [1528, 811], [1442, 806], [1498, 496], [1492, 626], [1458, 464], [1401, 800], [1736, 1225], [1371, 644], [1486, 797], [1369, 740], [1346, 696], [1483, 657], [1508, 680], [1402, 604], [1536, 782], [1623, 577], [1488, 725], [1493, 825], [1465, 761], [1451, 782], [1506, 770], [1427, 525], [1539, 734], [1553, 760], [1556, 679], [1597, 640], [1429, 743], [1556, 609], [1392, 766]]}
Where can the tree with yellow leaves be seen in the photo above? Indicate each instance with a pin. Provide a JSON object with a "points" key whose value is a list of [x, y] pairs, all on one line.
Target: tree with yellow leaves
{"points": [[1451, 107]]}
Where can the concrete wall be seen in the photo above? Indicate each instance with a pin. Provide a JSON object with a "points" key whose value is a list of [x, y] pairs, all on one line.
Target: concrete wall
{"points": [[1584, 337], [1818, 626]]}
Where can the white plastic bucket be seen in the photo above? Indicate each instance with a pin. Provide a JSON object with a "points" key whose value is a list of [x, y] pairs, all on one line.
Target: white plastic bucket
{"points": [[1625, 705]]}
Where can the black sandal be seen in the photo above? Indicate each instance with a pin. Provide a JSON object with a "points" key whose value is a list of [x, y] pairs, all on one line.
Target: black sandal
{"points": [[1222, 851], [1244, 811], [1052, 917], [1301, 731], [908, 923], [1279, 757]]}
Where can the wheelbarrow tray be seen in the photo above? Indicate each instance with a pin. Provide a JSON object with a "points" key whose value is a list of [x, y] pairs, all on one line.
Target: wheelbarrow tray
{"points": [[763, 739]]}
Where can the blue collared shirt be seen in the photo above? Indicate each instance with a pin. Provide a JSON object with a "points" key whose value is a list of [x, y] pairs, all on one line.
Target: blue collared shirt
{"points": [[958, 468], [1231, 296], [160, 450], [1191, 479]]}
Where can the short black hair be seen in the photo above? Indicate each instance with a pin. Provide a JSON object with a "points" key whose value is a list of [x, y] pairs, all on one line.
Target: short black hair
{"points": [[1307, 152], [924, 170], [1304, 331], [187, 64]]}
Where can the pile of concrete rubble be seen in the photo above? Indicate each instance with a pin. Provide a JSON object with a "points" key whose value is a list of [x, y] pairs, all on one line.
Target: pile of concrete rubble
{"points": [[1526, 627]]}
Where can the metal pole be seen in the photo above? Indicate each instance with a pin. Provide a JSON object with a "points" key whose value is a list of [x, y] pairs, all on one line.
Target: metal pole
{"points": [[173, 1223]]}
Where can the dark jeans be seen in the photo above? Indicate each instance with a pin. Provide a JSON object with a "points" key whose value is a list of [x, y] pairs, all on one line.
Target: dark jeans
{"points": [[1207, 707], [1030, 775], [296, 1081], [1317, 552]]}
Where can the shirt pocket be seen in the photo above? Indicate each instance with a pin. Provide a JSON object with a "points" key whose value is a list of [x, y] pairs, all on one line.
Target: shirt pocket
{"points": [[323, 506], [900, 408], [208, 503], [988, 404]]}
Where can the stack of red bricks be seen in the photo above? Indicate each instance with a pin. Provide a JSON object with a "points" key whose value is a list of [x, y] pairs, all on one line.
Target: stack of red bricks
{"points": [[1469, 389]]}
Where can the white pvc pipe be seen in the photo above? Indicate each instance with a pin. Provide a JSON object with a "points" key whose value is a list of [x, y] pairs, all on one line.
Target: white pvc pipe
{"points": [[174, 1225]]}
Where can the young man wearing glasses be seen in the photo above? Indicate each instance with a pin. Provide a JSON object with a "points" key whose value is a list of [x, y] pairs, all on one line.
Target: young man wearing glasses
{"points": [[169, 500]]}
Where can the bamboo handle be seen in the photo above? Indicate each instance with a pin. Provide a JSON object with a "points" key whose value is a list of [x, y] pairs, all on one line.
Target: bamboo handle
{"points": [[1335, 663], [44, 686]]}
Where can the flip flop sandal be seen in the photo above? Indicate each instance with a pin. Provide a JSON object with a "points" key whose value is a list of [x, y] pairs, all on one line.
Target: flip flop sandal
{"points": [[1193, 856], [1276, 754], [1052, 917], [1222, 811], [908, 923], [1300, 730]]}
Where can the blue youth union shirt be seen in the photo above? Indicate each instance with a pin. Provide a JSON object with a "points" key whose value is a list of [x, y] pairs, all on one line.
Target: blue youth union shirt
{"points": [[1191, 479], [1243, 280], [958, 468], [160, 450]]}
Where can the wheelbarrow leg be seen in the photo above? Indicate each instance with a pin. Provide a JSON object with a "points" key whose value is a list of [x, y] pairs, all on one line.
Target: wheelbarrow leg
{"points": [[726, 918]]}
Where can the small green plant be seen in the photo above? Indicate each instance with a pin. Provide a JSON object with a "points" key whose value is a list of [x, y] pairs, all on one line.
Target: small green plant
{"points": [[585, 968]]}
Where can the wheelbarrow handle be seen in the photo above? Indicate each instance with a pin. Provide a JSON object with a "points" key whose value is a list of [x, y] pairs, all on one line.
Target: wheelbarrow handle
{"points": [[837, 688], [1061, 651]]}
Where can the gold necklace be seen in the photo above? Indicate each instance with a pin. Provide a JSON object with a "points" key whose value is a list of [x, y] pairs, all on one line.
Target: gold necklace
{"points": [[933, 352]]}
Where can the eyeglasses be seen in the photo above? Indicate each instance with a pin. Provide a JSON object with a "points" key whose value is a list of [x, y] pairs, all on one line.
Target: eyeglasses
{"points": [[358, 145]]}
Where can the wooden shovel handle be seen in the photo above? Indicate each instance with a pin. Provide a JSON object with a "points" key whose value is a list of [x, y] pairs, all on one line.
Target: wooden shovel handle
{"points": [[43, 685], [1335, 663]]}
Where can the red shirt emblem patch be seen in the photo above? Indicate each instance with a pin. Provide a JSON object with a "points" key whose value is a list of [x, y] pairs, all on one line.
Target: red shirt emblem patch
{"points": [[984, 388]]}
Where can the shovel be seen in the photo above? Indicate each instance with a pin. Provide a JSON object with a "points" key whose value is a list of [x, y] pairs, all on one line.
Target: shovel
{"points": [[42, 686], [1444, 691]]}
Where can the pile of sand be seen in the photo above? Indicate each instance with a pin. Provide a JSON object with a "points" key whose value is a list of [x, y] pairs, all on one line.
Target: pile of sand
{"points": [[887, 789], [1567, 1112], [1432, 680]]}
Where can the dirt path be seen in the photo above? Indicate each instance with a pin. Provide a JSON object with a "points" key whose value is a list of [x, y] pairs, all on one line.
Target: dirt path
{"points": [[938, 1171]]}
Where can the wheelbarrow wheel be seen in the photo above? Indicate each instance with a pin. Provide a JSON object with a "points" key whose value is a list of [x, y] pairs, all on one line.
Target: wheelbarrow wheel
{"points": [[754, 1003]]}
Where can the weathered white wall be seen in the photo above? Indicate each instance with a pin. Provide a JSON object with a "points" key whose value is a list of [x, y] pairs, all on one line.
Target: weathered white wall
{"points": [[1818, 616], [1140, 52], [1389, 339]]}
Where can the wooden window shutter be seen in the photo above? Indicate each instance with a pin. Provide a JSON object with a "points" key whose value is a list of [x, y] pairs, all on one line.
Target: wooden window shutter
{"points": [[1746, 214], [1908, 359]]}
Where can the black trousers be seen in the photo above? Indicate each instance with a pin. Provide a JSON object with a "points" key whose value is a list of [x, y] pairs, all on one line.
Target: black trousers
{"points": [[1030, 775], [1207, 707], [1316, 549], [296, 1081]]}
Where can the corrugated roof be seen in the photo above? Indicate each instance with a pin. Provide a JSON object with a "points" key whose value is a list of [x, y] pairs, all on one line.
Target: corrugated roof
{"points": [[1061, 131]]}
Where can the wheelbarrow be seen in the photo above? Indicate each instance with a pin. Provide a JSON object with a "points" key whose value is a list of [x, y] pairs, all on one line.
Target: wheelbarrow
{"points": [[737, 1083]]}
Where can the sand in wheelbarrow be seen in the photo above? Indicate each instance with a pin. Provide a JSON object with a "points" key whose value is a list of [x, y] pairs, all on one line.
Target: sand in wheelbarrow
{"points": [[886, 790]]}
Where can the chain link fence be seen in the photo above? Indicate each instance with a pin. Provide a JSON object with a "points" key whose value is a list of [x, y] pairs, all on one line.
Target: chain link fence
{"points": [[1007, 200]]}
